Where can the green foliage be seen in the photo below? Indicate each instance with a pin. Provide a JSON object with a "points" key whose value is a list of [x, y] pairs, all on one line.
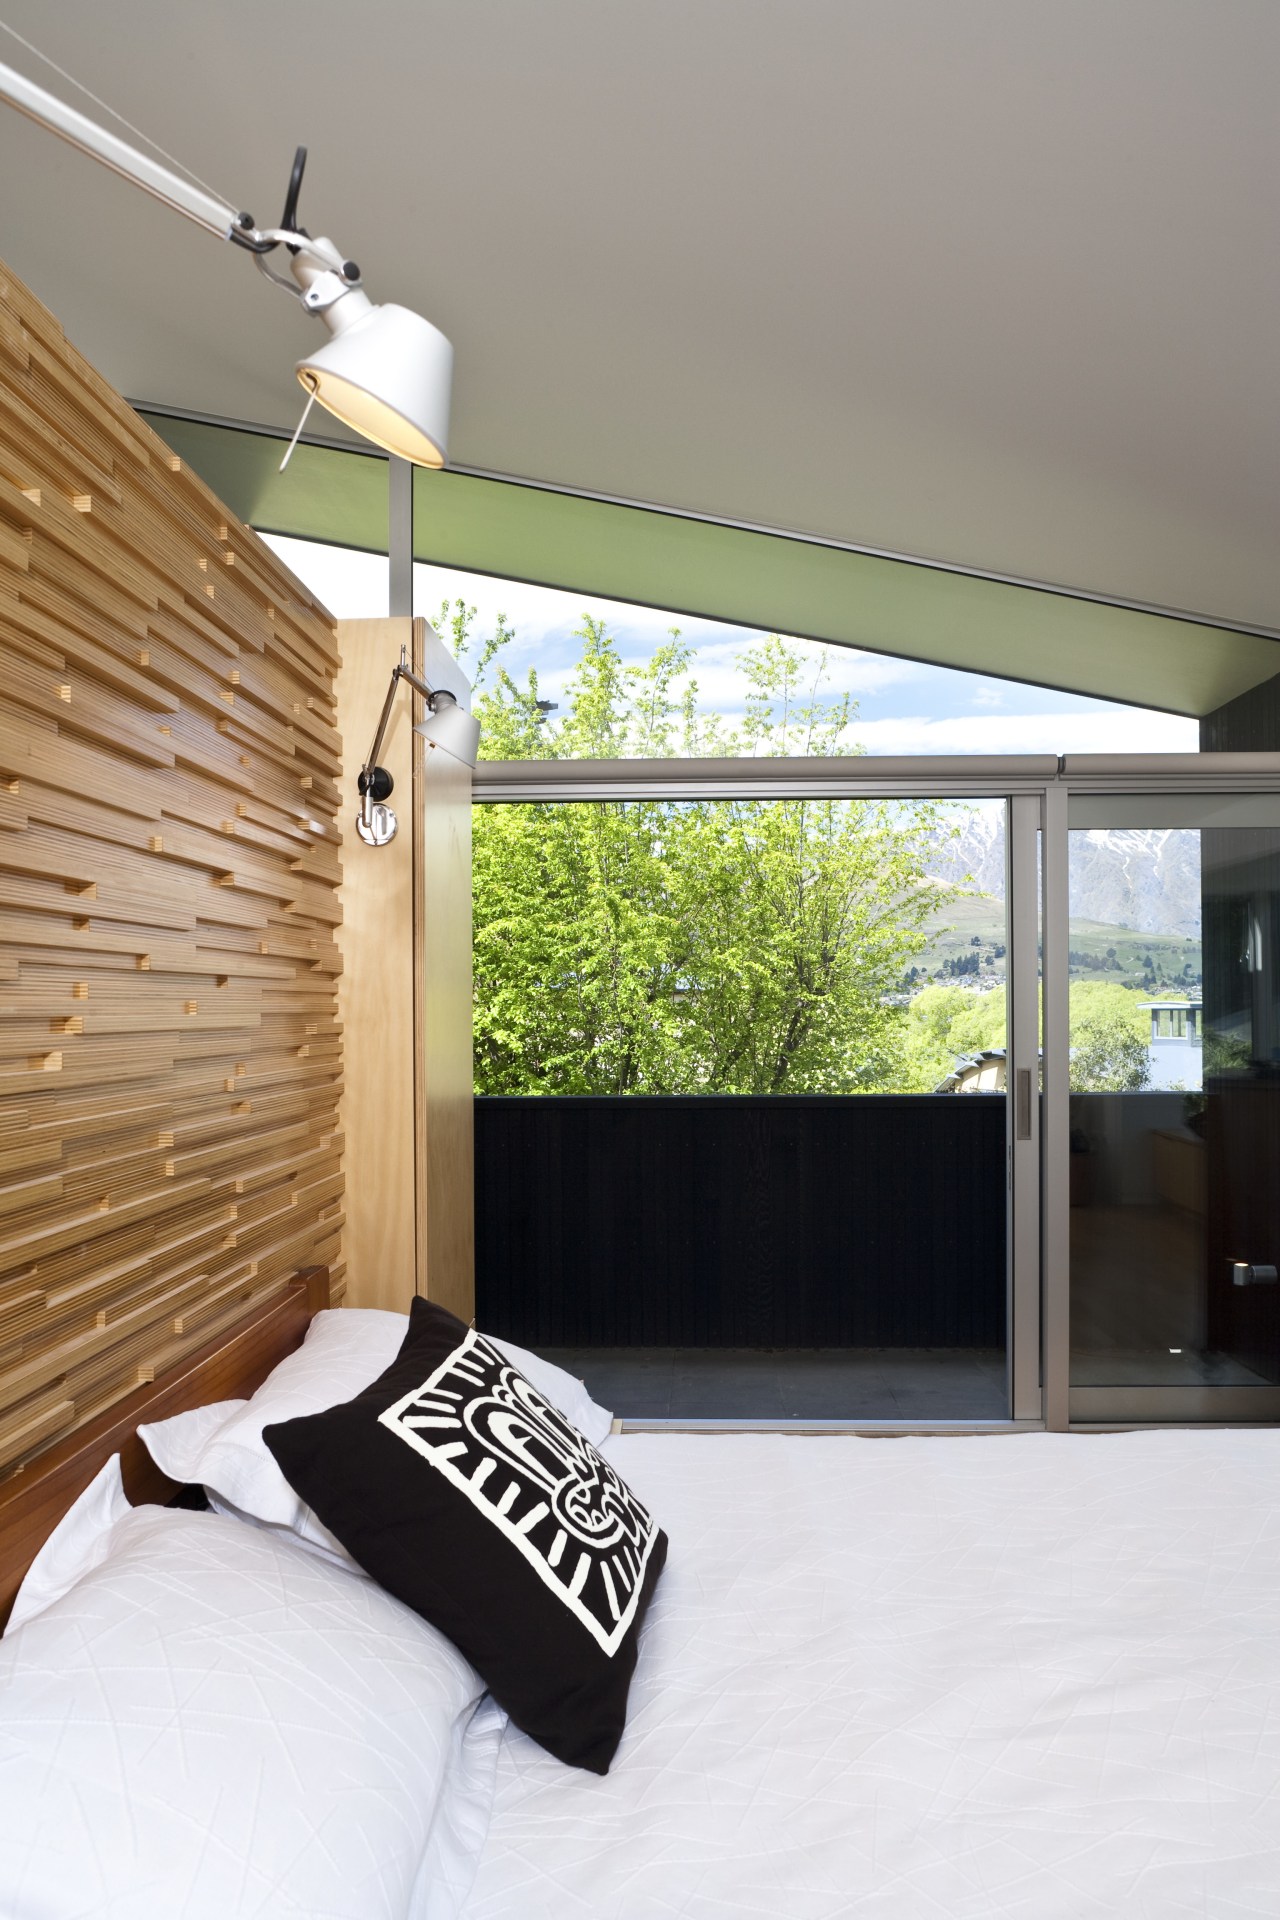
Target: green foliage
{"points": [[944, 1024], [1108, 1035], [754, 946], [658, 947], [1108, 1038], [1225, 1052]]}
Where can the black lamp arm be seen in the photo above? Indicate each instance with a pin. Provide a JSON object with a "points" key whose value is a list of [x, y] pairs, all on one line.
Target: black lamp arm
{"points": [[373, 780]]}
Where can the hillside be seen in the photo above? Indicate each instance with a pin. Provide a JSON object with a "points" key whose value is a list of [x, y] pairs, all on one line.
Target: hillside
{"points": [[1135, 907]]}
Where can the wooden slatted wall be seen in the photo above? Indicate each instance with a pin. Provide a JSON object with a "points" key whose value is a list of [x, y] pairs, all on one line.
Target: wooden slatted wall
{"points": [[169, 868]]}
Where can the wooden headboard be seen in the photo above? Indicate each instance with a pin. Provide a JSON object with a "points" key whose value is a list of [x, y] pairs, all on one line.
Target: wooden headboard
{"points": [[228, 1367]]}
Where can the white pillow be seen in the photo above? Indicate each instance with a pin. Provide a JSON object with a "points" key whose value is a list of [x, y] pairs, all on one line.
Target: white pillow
{"points": [[221, 1448], [79, 1542], [212, 1722]]}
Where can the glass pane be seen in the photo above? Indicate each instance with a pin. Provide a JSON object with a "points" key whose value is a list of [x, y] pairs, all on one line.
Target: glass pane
{"points": [[1175, 1101], [722, 1169], [567, 676]]}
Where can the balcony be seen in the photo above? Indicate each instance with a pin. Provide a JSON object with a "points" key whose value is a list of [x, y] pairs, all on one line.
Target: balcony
{"points": [[799, 1257]]}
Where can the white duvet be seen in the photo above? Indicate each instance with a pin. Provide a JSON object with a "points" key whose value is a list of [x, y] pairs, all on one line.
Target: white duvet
{"points": [[1032, 1677]]}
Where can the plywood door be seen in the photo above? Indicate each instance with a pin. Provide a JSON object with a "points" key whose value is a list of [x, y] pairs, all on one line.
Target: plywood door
{"points": [[406, 992]]}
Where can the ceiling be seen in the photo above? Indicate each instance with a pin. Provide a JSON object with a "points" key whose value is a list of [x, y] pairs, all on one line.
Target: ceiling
{"points": [[991, 283], [709, 570]]}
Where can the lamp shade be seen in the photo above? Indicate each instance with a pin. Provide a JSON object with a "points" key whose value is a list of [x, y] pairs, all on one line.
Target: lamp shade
{"points": [[388, 375], [450, 726]]}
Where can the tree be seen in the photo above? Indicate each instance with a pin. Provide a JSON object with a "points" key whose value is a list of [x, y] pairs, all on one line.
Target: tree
{"points": [[945, 1025], [1108, 1035], [650, 946]]}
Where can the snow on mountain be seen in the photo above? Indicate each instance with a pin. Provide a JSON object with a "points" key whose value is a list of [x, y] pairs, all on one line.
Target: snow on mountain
{"points": [[1147, 878], [976, 856], [1144, 878]]}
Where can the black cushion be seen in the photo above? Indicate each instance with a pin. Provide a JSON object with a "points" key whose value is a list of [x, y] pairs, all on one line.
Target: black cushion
{"points": [[464, 1493]]}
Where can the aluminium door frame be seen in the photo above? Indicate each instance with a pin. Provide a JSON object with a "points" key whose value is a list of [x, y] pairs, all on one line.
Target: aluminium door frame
{"points": [[1036, 789], [1021, 782], [1083, 1409], [1024, 1119]]}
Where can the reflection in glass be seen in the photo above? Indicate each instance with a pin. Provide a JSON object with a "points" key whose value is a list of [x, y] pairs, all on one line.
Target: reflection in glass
{"points": [[1175, 1101]]}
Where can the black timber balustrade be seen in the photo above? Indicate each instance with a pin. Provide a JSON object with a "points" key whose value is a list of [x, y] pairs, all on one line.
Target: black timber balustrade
{"points": [[869, 1221]]}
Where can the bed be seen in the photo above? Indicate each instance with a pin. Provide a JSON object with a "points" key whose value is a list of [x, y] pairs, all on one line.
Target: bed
{"points": [[1025, 1675], [1030, 1675]]}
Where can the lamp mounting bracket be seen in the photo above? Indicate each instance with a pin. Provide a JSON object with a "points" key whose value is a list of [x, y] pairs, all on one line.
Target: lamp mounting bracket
{"points": [[375, 821]]}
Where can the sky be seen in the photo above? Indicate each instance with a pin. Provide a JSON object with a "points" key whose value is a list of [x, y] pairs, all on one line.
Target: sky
{"points": [[904, 706]]}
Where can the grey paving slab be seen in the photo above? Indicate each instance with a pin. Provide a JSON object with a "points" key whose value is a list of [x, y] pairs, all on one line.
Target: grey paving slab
{"points": [[858, 1383], [874, 1405], [960, 1403]]}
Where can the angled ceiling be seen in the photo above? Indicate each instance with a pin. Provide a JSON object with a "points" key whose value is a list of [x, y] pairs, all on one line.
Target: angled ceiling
{"points": [[992, 283], [705, 568]]}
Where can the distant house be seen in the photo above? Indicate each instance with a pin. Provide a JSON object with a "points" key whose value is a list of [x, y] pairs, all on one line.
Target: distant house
{"points": [[1175, 1050], [984, 1072]]}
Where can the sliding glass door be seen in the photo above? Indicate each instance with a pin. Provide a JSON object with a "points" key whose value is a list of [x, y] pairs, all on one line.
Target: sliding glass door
{"points": [[1174, 1106], [757, 1131], [1029, 1173]]}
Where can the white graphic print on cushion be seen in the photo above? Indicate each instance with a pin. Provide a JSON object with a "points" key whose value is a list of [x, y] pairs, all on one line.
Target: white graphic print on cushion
{"points": [[544, 1487]]}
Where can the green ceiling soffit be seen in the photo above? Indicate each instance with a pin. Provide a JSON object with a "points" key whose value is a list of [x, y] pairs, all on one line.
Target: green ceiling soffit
{"points": [[697, 567]]}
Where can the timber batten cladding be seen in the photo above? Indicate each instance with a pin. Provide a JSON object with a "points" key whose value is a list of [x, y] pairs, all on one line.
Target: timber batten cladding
{"points": [[170, 1059]]}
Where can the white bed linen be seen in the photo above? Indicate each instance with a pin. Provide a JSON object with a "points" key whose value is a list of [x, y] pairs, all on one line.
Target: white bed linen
{"points": [[1027, 1677], [213, 1723]]}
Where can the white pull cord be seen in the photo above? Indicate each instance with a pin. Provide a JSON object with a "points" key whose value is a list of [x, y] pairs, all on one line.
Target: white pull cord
{"points": [[311, 400]]}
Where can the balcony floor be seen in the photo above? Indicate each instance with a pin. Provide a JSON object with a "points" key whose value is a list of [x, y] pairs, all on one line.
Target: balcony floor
{"points": [[816, 1383]]}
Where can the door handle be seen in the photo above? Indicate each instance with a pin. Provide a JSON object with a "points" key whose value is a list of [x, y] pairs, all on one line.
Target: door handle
{"points": [[1022, 1104], [1247, 1274]]}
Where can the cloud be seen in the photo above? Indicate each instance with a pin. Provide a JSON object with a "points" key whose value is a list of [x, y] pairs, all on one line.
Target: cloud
{"points": [[354, 585], [543, 614], [539, 614], [1118, 730], [847, 670]]}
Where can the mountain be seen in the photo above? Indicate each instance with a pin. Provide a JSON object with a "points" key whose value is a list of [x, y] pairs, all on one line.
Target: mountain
{"points": [[1144, 878], [976, 856], [1147, 878]]}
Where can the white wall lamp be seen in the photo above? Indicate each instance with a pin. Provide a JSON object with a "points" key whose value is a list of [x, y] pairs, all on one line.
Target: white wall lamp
{"points": [[447, 725], [386, 372]]}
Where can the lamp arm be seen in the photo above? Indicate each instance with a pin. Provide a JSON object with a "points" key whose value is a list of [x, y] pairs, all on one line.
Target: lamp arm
{"points": [[375, 822], [390, 383], [365, 782], [182, 195], [429, 694], [371, 775], [214, 215]]}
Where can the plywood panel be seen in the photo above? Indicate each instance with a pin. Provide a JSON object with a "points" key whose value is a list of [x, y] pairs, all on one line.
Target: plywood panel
{"points": [[376, 988], [170, 1053], [406, 994]]}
